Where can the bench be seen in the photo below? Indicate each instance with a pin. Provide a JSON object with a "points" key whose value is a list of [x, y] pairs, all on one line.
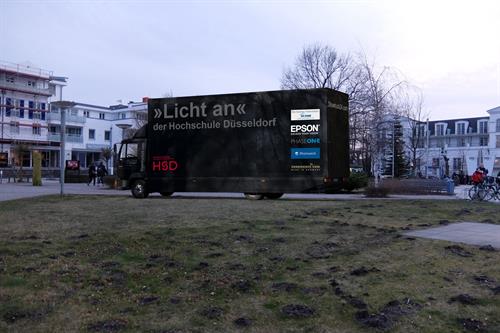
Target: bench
{"points": [[15, 175]]}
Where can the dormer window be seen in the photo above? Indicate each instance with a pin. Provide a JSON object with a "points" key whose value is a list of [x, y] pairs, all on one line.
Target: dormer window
{"points": [[439, 129], [483, 126], [460, 129]]}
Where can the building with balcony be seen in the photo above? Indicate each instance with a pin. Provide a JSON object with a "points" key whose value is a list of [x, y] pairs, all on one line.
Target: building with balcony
{"points": [[459, 144], [25, 92], [28, 118]]}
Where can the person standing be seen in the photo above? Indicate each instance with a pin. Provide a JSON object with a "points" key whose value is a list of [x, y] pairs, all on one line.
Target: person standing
{"points": [[92, 174], [101, 172]]}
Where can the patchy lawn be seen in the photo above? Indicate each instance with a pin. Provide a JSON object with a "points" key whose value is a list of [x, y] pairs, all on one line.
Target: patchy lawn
{"points": [[115, 264]]}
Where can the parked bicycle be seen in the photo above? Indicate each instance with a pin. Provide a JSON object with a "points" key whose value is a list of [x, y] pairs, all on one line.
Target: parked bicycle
{"points": [[478, 191], [492, 191]]}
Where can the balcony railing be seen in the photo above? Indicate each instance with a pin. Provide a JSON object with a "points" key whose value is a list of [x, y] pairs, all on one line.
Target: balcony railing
{"points": [[68, 138], [51, 117], [25, 88]]}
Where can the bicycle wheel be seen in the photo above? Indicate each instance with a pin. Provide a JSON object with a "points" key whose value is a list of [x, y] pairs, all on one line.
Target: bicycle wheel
{"points": [[477, 192]]}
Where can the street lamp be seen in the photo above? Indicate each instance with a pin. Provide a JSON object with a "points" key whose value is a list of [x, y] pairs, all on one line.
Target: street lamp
{"points": [[62, 106]]}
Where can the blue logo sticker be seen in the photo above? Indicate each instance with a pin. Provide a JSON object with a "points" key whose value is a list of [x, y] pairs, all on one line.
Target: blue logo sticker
{"points": [[305, 153]]}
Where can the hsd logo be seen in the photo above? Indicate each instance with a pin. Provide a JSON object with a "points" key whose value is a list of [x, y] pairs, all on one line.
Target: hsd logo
{"points": [[164, 163]]}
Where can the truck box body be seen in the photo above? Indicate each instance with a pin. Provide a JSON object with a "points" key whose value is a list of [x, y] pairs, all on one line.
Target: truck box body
{"points": [[262, 142]]}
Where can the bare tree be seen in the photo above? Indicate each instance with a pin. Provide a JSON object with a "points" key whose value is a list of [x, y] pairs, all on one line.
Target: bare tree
{"points": [[412, 109], [373, 91], [318, 66]]}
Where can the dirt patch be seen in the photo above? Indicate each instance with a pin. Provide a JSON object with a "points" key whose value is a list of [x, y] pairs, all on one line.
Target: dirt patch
{"points": [[284, 286], [297, 311], [243, 322], [242, 286], [386, 318], [111, 325], [364, 271], [148, 300], [484, 280], [212, 312], [487, 248], [472, 325], [464, 299], [458, 250], [13, 315], [321, 250]]}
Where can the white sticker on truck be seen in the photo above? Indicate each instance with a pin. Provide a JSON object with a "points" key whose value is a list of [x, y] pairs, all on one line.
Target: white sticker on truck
{"points": [[305, 114]]}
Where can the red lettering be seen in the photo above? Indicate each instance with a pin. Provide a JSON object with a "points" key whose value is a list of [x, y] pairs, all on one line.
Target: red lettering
{"points": [[172, 165], [156, 166]]}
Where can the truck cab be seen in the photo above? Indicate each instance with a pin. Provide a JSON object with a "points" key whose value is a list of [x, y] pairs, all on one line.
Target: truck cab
{"points": [[131, 162]]}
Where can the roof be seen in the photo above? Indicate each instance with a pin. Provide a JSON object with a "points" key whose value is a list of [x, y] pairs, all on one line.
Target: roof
{"points": [[472, 123]]}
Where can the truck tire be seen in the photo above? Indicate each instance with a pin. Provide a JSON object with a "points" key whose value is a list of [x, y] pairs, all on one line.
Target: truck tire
{"points": [[273, 195], [139, 189], [254, 196], [166, 194]]}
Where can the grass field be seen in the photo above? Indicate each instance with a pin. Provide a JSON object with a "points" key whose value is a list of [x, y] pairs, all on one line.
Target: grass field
{"points": [[116, 264]]}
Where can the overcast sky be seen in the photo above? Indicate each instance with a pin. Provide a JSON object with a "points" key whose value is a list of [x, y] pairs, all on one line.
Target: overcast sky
{"points": [[124, 50]]}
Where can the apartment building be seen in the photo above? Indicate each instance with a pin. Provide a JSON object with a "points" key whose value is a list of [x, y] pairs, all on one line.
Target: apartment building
{"points": [[463, 144], [28, 118], [25, 93]]}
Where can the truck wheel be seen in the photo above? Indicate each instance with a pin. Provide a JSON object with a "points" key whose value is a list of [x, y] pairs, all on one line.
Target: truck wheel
{"points": [[166, 194], [274, 195], [254, 196], [139, 189]]}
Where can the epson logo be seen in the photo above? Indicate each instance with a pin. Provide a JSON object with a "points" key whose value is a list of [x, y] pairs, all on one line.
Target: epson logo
{"points": [[304, 128], [301, 141]]}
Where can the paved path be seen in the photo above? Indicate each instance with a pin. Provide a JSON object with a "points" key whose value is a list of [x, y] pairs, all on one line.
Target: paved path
{"points": [[465, 232], [10, 191]]}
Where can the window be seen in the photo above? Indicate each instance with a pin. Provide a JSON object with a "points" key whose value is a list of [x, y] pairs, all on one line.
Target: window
{"points": [[460, 128], [498, 125], [21, 108], [31, 83], [142, 116], [461, 142], [498, 141], [483, 141], [483, 127], [91, 134], [107, 135], [435, 162], [101, 115], [37, 115], [8, 108], [457, 164], [74, 131], [440, 129], [10, 79], [86, 113], [74, 112], [122, 115], [14, 127], [31, 106], [36, 129]]}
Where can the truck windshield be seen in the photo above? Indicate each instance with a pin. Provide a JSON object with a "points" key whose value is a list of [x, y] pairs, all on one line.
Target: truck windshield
{"points": [[129, 150]]}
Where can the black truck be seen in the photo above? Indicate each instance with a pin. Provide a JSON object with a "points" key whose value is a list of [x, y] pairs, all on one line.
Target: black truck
{"points": [[262, 144]]}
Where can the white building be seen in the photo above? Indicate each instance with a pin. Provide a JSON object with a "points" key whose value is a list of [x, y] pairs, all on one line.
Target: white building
{"points": [[465, 143], [28, 118], [24, 103]]}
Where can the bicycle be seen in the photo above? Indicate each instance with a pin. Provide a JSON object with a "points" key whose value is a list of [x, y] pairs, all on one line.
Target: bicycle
{"points": [[492, 192], [478, 191]]}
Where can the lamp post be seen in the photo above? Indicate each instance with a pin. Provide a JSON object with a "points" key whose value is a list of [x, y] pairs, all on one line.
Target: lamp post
{"points": [[62, 106]]}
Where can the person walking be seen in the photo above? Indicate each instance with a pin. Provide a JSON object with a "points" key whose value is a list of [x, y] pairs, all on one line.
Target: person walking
{"points": [[92, 174], [101, 172]]}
